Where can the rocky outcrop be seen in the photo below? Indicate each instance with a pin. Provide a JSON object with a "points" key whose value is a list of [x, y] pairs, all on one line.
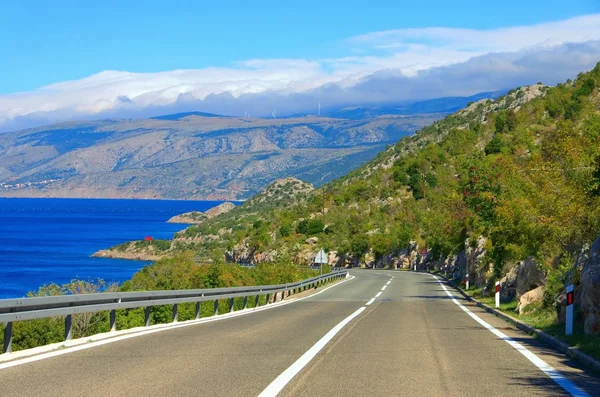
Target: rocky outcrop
{"points": [[197, 217], [477, 266], [522, 278], [189, 218], [561, 301], [132, 252], [508, 285], [408, 257], [242, 252], [529, 277], [590, 290]]}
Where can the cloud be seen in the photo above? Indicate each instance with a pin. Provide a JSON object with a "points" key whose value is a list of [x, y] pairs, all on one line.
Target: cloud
{"points": [[381, 67]]}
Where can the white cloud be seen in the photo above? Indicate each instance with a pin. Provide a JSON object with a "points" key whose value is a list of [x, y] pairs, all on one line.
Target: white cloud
{"points": [[395, 65]]}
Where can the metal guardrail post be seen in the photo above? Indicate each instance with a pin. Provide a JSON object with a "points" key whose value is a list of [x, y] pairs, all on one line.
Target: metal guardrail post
{"points": [[197, 310], [175, 312], [147, 316], [8, 335], [268, 297], [231, 305], [245, 302], [68, 327], [256, 300], [216, 307], [113, 320]]}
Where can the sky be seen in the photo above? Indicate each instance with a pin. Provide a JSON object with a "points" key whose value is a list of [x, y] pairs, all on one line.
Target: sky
{"points": [[65, 60]]}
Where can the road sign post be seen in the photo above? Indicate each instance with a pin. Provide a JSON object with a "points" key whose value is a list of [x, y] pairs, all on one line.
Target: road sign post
{"points": [[467, 281], [321, 258], [569, 319], [497, 294]]}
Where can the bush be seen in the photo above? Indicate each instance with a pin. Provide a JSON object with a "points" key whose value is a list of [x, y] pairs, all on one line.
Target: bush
{"points": [[302, 227], [315, 226]]}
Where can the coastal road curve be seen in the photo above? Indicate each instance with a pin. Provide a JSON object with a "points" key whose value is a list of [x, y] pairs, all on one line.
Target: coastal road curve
{"points": [[390, 333]]}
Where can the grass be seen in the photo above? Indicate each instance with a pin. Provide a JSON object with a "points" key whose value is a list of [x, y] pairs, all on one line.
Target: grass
{"points": [[545, 319]]}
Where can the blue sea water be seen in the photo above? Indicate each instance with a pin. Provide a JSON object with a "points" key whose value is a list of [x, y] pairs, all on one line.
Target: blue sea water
{"points": [[51, 240]]}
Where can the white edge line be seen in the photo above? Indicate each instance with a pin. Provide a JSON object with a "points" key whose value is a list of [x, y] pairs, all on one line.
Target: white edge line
{"points": [[286, 376], [384, 287], [160, 328], [377, 295], [555, 375], [371, 301], [388, 283]]}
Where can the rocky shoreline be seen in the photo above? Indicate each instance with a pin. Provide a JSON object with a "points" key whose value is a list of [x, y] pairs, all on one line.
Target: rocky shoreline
{"points": [[148, 252]]}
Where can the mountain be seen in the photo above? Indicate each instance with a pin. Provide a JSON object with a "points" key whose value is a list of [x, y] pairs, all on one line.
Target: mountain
{"points": [[505, 189], [438, 105], [189, 155]]}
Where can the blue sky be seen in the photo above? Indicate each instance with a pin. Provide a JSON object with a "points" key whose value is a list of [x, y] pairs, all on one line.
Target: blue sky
{"points": [[43, 42], [66, 60]]}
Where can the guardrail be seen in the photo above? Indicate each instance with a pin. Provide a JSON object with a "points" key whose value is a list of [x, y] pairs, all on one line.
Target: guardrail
{"points": [[21, 309]]}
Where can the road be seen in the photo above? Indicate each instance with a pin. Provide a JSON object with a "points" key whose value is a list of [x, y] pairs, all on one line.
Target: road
{"points": [[413, 339]]}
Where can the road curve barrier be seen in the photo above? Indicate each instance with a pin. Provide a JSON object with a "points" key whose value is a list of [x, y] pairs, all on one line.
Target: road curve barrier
{"points": [[22, 309]]}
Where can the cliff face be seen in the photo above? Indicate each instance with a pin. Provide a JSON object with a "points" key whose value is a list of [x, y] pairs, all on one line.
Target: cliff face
{"points": [[190, 156]]}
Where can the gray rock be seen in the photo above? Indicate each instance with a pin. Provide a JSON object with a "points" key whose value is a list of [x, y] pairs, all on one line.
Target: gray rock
{"points": [[522, 278], [529, 277], [508, 285], [590, 290]]}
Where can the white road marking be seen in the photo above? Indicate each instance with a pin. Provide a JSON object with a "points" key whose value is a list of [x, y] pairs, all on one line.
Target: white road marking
{"points": [[118, 335], [371, 301], [282, 380], [538, 362], [378, 294], [384, 287], [388, 283]]}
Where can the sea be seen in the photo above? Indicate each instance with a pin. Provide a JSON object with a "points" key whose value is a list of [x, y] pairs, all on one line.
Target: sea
{"points": [[48, 240]]}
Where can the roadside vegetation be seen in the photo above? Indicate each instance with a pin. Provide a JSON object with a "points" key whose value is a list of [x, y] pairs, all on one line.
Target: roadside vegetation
{"points": [[180, 272]]}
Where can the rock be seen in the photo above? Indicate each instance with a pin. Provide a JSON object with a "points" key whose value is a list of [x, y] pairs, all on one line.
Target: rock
{"points": [[590, 290], [478, 268], [522, 278], [312, 240], [508, 285], [242, 252], [460, 266], [197, 217], [219, 209], [190, 218], [561, 301], [533, 296], [529, 277]]}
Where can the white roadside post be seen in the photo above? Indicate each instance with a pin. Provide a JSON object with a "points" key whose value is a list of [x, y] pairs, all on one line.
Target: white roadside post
{"points": [[497, 294], [569, 319], [467, 281]]}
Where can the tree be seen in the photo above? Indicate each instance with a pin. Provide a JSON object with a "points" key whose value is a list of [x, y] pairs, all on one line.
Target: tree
{"points": [[315, 226], [302, 227]]}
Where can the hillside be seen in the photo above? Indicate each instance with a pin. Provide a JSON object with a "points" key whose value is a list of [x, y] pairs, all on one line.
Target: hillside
{"points": [[190, 155], [506, 188]]}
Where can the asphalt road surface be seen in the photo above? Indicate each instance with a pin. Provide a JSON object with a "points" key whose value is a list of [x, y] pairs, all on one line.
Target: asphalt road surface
{"points": [[381, 333]]}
